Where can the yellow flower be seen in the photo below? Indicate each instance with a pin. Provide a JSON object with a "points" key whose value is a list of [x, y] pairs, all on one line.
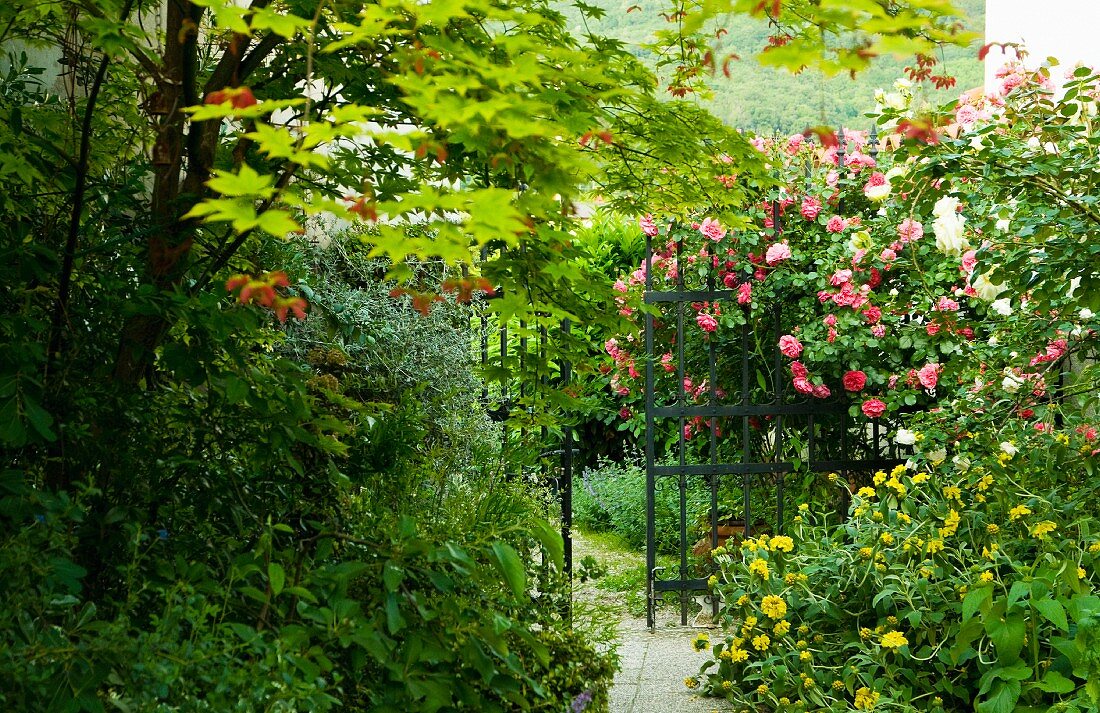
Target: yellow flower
{"points": [[919, 478], [790, 578], [797, 518], [762, 689], [876, 516], [879, 478], [865, 552], [893, 640], [727, 685], [784, 701], [806, 656], [832, 477], [782, 543], [838, 685], [983, 484], [781, 628], [952, 492], [886, 538], [892, 620], [992, 529], [985, 577], [743, 600], [803, 507], [950, 524], [750, 622], [762, 642], [801, 643], [866, 699], [990, 552], [935, 546], [904, 519], [803, 629], [898, 471], [691, 682], [818, 638], [1081, 573], [759, 567], [807, 682], [726, 654], [1019, 511], [701, 641], [1062, 438], [865, 633], [866, 493], [861, 511], [1094, 547], [1044, 528], [739, 655], [897, 485]]}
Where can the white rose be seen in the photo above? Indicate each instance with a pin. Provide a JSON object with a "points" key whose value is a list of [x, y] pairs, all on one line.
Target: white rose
{"points": [[1002, 225], [1009, 448], [1011, 383], [992, 341], [905, 437], [937, 456], [902, 83], [987, 290], [962, 463], [1002, 306], [950, 239], [877, 193], [1086, 313], [895, 100], [946, 206]]}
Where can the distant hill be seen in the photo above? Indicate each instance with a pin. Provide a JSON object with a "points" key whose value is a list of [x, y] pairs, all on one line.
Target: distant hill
{"points": [[765, 100]]}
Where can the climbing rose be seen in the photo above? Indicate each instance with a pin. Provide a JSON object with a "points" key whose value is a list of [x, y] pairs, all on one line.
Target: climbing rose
{"points": [[873, 408], [712, 229], [854, 380], [811, 208], [647, 225], [790, 346], [706, 322], [836, 224], [799, 369], [821, 391], [802, 385], [910, 230], [877, 188], [744, 293], [929, 375], [777, 253]]}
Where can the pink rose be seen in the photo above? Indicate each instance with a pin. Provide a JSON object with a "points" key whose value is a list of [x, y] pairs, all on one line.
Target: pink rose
{"points": [[873, 408], [777, 253], [878, 331], [854, 380], [712, 229], [624, 413], [821, 391], [790, 346], [929, 375], [910, 230], [729, 280], [946, 304], [744, 293], [969, 261], [872, 314], [666, 362], [887, 255], [799, 369], [706, 322], [647, 225], [836, 224], [811, 208], [830, 320], [839, 277], [802, 385]]}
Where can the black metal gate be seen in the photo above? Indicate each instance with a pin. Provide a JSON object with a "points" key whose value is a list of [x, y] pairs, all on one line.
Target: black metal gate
{"points": [[756, 437]]}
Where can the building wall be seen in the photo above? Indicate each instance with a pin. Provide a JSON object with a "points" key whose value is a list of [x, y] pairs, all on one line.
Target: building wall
{"points": [[1064, 29]]}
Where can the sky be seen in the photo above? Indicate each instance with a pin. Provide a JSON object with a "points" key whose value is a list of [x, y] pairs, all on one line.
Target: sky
{"points": [[1065, 29]]}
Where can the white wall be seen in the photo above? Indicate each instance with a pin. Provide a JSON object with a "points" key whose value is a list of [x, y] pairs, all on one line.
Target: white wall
{"points": [[1065, 29]]}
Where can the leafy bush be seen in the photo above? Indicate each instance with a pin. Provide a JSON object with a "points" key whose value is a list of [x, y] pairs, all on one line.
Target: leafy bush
{"points": [[948, 586], [612, 498]]}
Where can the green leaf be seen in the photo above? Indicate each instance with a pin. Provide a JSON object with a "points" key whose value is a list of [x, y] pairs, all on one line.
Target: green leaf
{"points": [[1003, 699], [1007, 635], [1055, 682], [1053, 611], [551, 541], [276, 575], [511, 567], [974, 600]]}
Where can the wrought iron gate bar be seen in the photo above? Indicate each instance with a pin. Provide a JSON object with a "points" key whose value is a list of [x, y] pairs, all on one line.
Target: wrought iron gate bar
{"points": [[765, 409], [689, 296], [664, 471]]}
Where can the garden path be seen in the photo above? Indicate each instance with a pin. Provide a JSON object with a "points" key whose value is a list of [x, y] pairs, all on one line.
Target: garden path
{"points": [[653, 668], [653, 665]]}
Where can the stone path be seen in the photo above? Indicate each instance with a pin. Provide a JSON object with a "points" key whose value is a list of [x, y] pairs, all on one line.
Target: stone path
{"points": [[653, 668]]}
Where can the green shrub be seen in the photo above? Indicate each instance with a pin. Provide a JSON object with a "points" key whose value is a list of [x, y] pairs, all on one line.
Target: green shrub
{"points": [[612, 498]]}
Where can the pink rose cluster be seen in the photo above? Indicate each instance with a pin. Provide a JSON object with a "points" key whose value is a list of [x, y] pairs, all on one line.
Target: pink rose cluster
{"points": [[777, 253]]}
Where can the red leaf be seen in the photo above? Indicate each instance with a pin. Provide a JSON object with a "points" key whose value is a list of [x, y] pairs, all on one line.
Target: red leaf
{"points": [[826, 136]]}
